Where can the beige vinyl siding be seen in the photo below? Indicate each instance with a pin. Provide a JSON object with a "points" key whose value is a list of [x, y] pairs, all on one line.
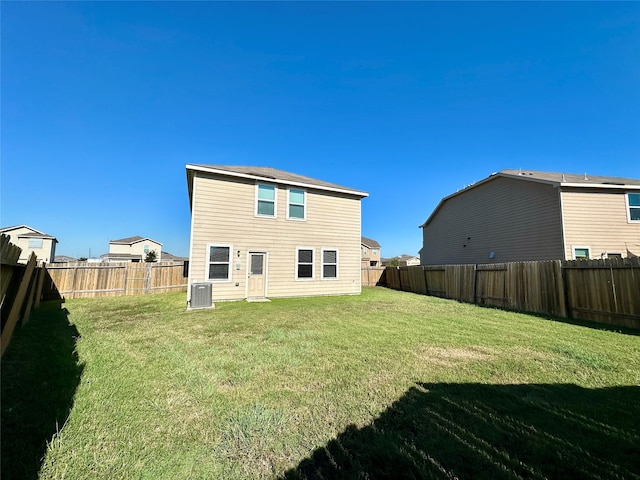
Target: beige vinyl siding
{"points": [[138, 248], [516, 220], [223, 213], [598, 219], [45, 253], [117, 248]]}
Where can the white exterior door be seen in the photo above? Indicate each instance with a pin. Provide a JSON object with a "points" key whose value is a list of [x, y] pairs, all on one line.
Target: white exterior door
{"points": [[257, 275]]}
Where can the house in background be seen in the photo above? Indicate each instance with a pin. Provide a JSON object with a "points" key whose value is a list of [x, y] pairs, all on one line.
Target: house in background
{"points": [[132, 249], [259, 232], [64, 259], [403, 260], [32, 240], [516, 215], [370, 253]]}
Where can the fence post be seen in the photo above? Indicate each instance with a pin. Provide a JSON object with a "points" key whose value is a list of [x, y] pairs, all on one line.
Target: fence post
{"points": [[475, 281], [18, 302]]}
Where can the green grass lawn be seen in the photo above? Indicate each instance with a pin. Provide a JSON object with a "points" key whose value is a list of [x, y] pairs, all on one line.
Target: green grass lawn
{"points": [[383, 385]]}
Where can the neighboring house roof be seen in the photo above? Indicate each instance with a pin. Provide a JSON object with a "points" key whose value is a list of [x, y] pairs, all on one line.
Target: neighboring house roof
{"points": [[170, 257], [132, 240], [63, 259], [268, 174], [34, 233], [573, 180], [405, 257], [369, 242]]}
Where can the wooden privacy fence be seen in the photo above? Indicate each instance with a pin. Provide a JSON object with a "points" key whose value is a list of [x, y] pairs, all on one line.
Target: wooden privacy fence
{"points": [[20, 290], [84, 280], [372, 276], [606, 291]]}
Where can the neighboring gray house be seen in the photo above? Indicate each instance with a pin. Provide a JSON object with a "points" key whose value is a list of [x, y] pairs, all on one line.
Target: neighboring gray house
{"points": [[517, 215], [32, 240]]}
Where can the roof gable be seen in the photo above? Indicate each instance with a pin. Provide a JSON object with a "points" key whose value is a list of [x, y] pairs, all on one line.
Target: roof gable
{"points": [[268, 174], [369, 242], [33, 234], [132, 240], [569, 180]]}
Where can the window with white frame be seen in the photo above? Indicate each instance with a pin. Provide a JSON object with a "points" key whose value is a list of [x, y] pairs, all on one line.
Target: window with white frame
{"points": [[329, 263], [146, 249], [633, 207], [304, 264], [297, 204], [581, 253], [219, 263], [265, 200], [35, 243]]}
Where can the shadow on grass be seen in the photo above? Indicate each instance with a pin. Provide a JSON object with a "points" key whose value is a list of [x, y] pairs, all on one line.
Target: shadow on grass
{"points": [[40, 375], [490, 431]]}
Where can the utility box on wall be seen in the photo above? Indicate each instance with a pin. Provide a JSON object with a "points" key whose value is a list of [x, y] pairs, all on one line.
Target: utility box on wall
{"points": [[200, 295]]}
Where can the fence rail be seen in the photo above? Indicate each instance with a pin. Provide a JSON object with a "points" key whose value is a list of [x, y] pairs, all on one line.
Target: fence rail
{"points": [[606, 291], [78, 280]]}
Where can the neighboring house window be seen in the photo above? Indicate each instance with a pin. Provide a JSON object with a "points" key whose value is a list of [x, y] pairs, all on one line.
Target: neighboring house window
{"points": [[365, 251], [633, 206], [265, 200], [373, 263], [146, 249], [374, 252], [329, 263], [304, 263], [219, 262], [35, 243], [581, 253], [297, 204]]}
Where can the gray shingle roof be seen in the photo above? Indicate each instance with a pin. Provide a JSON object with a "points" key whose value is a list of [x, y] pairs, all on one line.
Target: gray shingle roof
{"points": [[275, 175], [560, 178], [130, 240], [369, 242]]}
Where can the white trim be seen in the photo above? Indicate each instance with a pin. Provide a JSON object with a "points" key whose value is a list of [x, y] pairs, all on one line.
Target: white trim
{"points": [[575, 247], [629, 207], [189, 278], [337, 264], [207, 263], [284, 182], [275, 200], [304, 205], [564, 233], [313, 265]]}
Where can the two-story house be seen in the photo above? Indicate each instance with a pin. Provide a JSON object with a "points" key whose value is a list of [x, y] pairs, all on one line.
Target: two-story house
{"points": [[370, 253], [517, 215], [259, 232], [132, 249], [32, 240]]}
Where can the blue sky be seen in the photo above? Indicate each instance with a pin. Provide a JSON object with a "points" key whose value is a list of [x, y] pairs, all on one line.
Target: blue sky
{"points": [[103, 105]]}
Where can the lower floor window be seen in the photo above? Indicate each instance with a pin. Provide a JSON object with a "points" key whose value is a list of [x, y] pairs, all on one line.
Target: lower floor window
{"points": [[304, 263], [329, 263], [219, 262]]}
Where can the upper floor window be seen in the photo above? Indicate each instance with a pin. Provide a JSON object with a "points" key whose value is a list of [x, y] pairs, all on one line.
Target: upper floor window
{"points": [[633, 206], [219, 262], [374, 252], [146, 249], [265, 200], [297, 204], [365, 251], [35, 243]]}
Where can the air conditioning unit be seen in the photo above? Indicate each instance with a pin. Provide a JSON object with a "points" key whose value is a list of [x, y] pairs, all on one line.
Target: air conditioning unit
{"points": [[200, 295]]}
